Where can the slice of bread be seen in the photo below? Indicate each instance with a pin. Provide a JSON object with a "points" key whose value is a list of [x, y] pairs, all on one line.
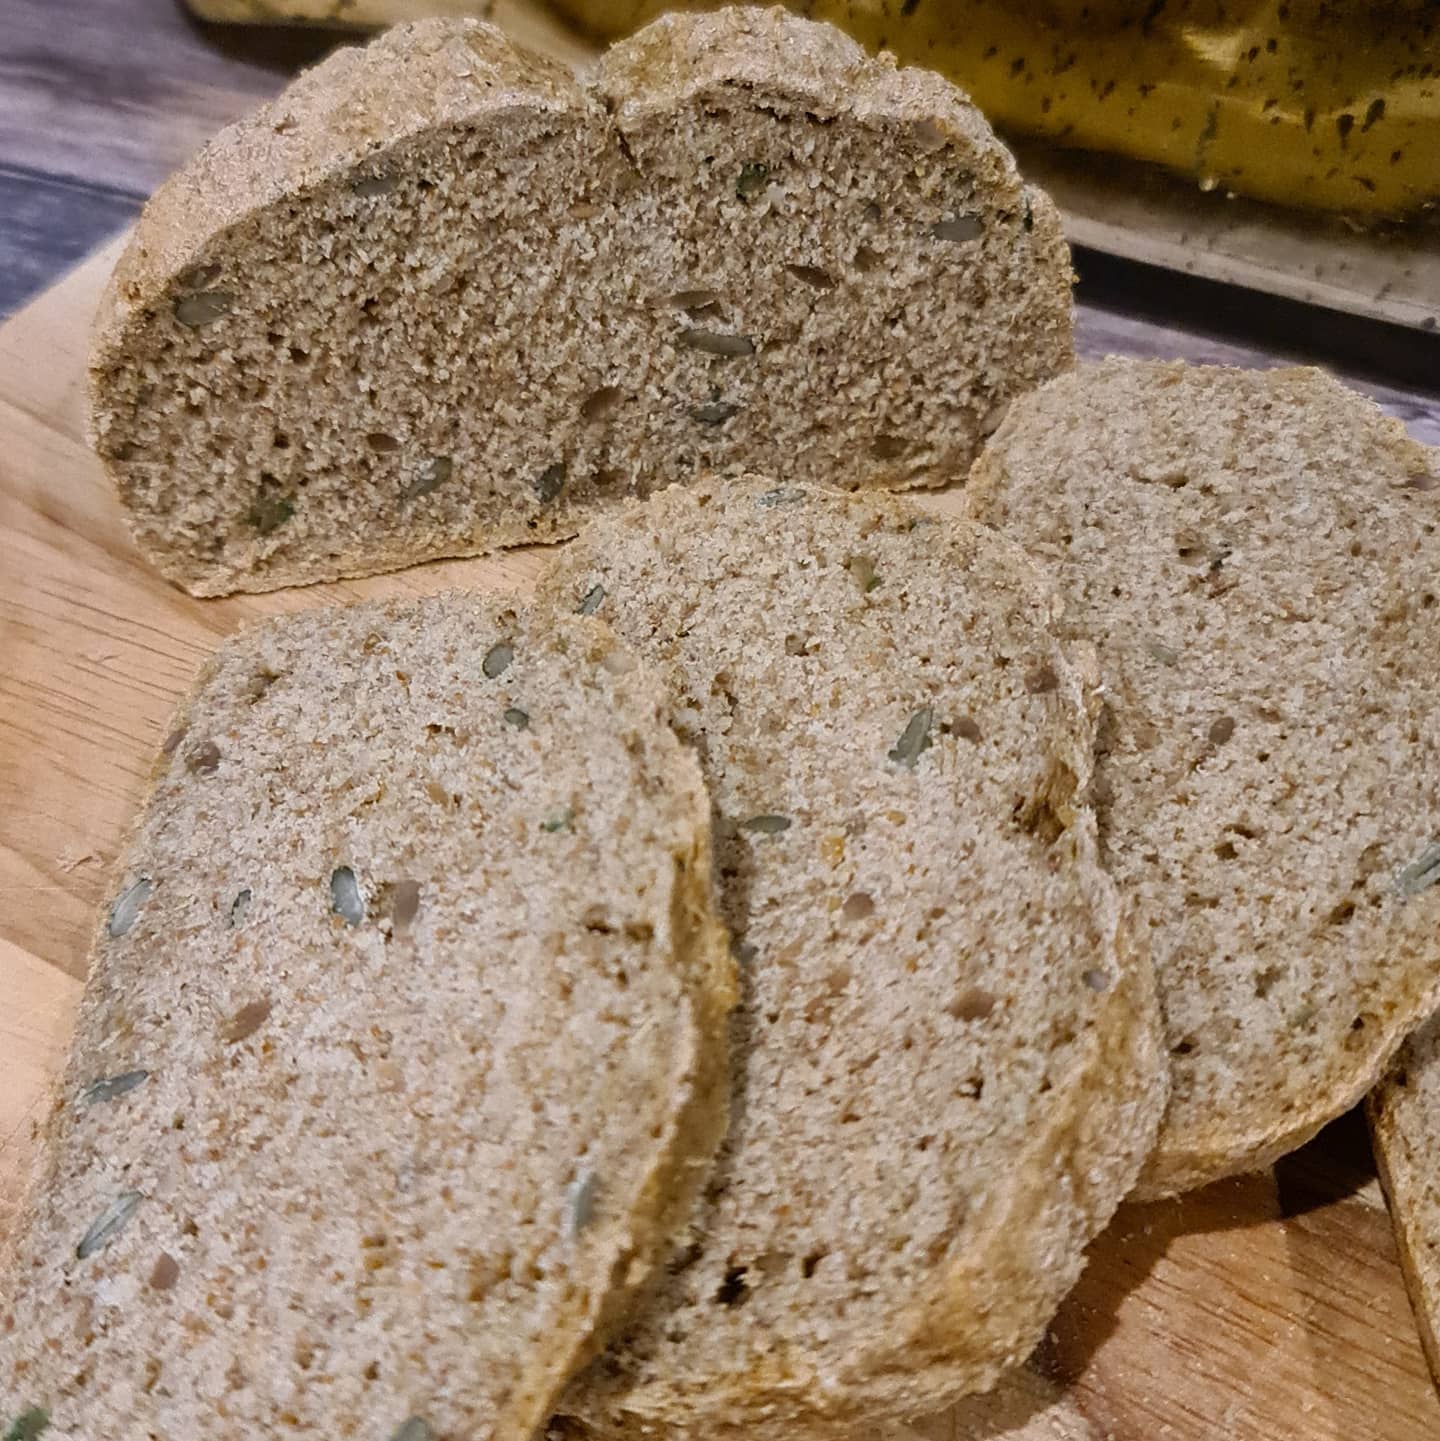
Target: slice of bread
{"points": [[402, 1048], [948, 1063], [1256, 556], [441, 297], [1404, 1112]]}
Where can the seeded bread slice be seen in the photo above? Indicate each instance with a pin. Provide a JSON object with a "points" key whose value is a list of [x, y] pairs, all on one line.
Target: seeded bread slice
{"points": [[441, 297], [1404, 1112], [1256, 556], [401, 1052], [948, 1068]]}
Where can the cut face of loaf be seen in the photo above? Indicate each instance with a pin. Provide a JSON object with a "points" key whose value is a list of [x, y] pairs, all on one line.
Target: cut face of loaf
{"points": [[1256, 557], [402, 1049], [440, 297], [947, 1058]]}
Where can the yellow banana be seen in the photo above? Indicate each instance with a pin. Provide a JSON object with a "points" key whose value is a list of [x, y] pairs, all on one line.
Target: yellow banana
{"points": [[1323, 104]]}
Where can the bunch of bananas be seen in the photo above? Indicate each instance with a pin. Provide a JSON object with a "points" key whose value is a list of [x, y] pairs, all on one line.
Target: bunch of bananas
{"points": [[1324, 104]]}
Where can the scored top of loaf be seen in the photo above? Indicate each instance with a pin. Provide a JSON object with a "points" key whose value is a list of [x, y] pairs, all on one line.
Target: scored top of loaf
{"points": [[680, 56]]}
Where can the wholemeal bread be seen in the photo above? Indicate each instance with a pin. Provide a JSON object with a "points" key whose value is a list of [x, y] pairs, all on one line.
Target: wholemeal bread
{"points": [[441, 297], [1404, 1112], [1256, 555], [402, 1048], [948, 1067]]}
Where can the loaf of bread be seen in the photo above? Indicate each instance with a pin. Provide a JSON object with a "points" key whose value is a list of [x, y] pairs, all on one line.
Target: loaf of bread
{"points": [[947, 1067], [441, 297], [1256, 556], [1404, 1113], [402, 1052]]}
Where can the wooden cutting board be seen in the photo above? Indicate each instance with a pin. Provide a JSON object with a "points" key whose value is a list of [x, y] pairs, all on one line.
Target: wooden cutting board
{"points": [[1265, 1308]]}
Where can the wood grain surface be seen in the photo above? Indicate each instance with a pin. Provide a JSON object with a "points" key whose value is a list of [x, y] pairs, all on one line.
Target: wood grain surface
{"points": [[1261, 1309]]}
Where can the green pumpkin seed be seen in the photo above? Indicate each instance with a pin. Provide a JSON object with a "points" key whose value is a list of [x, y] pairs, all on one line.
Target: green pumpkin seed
{"points": [[372, 185], [1422, 873], [269, 513], [590, 601], [754, 177], [580, 1203], [345, 898], [108, 1224], [109, 1087], [914, 739], [431, 476], [239, 906], [517, 718], [767, 825], [497, 659], [551, 482], [28, 1425], [958, 229], [781, 495], [126, 910], [559, 818], [204, 307]]}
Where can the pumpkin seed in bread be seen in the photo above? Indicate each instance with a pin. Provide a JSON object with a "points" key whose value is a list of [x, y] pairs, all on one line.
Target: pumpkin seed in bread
{"points": [[947, 1066], [441, 297], [1256, 556], [401, 1049]]}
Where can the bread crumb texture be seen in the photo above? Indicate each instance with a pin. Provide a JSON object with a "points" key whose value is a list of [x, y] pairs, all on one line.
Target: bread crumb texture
{"points": [[948, 1067], [441, 297], [1255, 554], [401, 1043]]}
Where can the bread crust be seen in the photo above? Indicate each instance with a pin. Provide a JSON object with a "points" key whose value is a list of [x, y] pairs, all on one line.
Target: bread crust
{"points": [[1404, 1115]]}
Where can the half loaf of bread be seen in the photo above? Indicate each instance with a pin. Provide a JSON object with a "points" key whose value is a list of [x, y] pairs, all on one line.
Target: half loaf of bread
{"points": [[441, 297]]}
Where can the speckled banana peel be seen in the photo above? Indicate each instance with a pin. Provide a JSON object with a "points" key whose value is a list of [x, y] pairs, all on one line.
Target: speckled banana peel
{"points": [[1320, 104]]}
